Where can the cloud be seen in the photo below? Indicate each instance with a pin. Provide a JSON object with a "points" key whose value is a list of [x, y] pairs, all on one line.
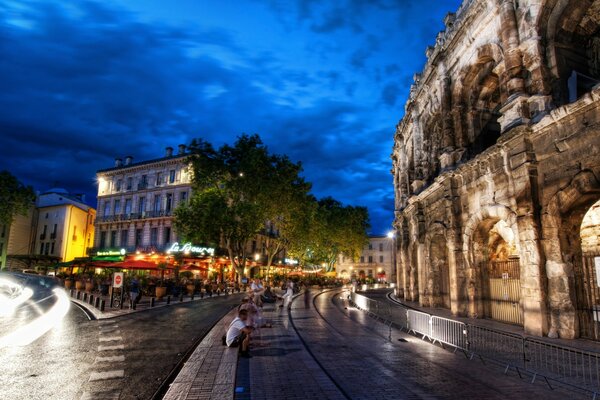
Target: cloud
{"points": [[84, 82]]}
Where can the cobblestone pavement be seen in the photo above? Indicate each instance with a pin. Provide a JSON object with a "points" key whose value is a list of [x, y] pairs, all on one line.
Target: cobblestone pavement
{"points": [[367, 365], [281, 368]]}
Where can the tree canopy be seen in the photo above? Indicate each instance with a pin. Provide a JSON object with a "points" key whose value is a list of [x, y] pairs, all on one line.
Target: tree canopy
{"points": [[242, 190], [15, 198]]}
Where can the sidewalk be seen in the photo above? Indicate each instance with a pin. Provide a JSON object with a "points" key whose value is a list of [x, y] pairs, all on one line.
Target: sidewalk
{"points": [[144, 305]]}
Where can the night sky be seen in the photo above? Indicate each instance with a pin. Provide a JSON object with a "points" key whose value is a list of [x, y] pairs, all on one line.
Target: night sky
{"points": [[322, 81]]}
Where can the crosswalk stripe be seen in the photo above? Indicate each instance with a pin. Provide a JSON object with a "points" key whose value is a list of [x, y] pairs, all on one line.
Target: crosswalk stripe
{"points": [[109, 359], [110, 395], [110, 339], [108, 348], [111, 331], [99, 376]]}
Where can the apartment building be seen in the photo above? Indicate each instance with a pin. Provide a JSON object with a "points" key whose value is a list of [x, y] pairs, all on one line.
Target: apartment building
{"points": [[375, 261]]}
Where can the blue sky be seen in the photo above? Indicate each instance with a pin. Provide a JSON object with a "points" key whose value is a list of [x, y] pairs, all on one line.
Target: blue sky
{"points": [[325, 82]]}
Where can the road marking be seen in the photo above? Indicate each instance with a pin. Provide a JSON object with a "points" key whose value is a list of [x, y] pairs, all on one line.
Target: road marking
{"points": [[105, 322], [109, 359], [111, 331], [100, 376], [110, 339], [108, 348], [108, 395]]}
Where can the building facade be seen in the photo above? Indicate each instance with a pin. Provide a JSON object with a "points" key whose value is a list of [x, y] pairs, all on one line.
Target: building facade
{"points": [[496, 167], [136, 201], [375, 262], [58, 227]]}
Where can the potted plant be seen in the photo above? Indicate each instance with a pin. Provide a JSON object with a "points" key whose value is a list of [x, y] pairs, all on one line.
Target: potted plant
{"points": [[161, 289], [189, 283]]}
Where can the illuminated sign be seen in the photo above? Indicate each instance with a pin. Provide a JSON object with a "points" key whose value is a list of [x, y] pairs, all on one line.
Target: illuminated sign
{"points": [[121, 252], [189, 248], [291, 261]]}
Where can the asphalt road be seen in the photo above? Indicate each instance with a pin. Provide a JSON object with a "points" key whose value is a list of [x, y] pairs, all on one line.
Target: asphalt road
{"points": [[125, 357]]}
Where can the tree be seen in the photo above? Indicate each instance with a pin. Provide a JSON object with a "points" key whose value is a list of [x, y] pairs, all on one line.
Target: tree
{"points": [[235, 188], [15, 198], [337, 229]]}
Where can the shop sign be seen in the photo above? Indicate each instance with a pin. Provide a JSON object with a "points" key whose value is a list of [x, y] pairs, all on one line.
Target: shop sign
{"points": [[290, 261], [121, 252], [190, 248], [118, 280]]}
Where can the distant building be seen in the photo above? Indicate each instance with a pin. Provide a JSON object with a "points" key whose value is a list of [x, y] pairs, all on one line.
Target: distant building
{"points": [[136, 201], [375, 262], [58, 227], [65, 225]]}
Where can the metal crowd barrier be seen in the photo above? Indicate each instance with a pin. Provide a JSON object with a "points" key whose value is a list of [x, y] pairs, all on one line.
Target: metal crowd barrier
{"points": [[565, 365]]}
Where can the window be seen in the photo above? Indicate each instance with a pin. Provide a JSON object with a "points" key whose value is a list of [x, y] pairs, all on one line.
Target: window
{"points": [[55, 229], [157, 203], [106, 208], [362, 259], [46, 215], [143, 182], [371, 273], [127, 206], [370, 259], [129, 183], [74, 233], [380, 259], [167, 234], [102, 240], [117, 207], [41, 248], [113, 238], [52, 248], [142, 205], [158, 179], [119, 185], [380, 246], [47, 249], [169, 202], [153, 236], [124, 237], [370, 246], [45, 229], [183, 197], [172, 176], [138, 237]]}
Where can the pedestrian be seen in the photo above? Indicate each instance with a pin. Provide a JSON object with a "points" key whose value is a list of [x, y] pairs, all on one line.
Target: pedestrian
{"points": [[134, 292], [238, 334], [306, 297], [287, 296]]}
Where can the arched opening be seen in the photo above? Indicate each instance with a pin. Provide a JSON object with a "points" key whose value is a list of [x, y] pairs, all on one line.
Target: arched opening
{"points": [[587, 272], [440, 271], [574, 38], [498, 272]]}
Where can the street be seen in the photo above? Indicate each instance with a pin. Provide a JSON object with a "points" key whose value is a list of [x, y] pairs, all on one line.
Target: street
{"points": [[78, 358]]}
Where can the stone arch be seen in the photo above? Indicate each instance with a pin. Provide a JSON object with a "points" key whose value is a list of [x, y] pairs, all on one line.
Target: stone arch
{"points": [[561, 219], [572, 32], [476, 98]]}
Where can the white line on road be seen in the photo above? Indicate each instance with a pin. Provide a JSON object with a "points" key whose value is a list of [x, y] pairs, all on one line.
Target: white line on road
{"points": [[105, 322], [110, 339], [111, 331], [108, 348], [99, 376], [109, 359]]}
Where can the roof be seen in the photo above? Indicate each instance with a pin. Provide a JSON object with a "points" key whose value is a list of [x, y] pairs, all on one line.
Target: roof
{"points": [[137, 164]]}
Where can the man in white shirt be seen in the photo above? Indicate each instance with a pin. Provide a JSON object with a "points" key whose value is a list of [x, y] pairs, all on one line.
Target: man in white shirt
{"points": [[238, 334]]}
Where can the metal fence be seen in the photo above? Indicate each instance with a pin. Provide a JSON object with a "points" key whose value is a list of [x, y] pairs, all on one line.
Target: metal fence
{"points": [[553, 363]]}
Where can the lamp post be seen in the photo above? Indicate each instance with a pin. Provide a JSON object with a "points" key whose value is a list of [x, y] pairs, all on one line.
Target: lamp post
{"points": [[392, 235]]}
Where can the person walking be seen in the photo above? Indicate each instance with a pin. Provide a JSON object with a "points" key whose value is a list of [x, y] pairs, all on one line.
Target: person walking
{"points": [[287, 297], [134, 292]]}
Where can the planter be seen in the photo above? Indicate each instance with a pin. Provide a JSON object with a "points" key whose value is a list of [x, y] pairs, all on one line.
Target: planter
{"points": [[89, 286], [190, 289], [68, 284], [78, 285], [160, 292]]}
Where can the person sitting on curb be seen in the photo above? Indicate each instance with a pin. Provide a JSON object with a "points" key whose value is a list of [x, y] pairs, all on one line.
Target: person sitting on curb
{"points": [[238, 334]]}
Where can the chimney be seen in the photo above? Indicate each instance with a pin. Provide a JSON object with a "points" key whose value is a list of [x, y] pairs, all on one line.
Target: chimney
{"points": [[118, 162], [181, 148], [128, 160], [168, 151]]}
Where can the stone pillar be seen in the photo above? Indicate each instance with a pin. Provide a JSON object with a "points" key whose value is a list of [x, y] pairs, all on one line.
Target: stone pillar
{"points": [[419, 271]]}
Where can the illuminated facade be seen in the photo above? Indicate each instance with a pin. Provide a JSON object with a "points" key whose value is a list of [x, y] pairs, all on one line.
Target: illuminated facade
{"points": [[375, 262], [496, 167], [136, 202], [18, 237]]}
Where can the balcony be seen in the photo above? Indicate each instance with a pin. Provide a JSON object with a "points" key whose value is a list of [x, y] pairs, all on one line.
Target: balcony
{"points": [[142, 186], [42, 236], [53, 235]]}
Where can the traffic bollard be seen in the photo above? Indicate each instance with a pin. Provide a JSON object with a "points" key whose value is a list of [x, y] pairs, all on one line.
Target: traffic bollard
{"points": [[71, 292], [181, 297], [191, 296], [84, 299], [78, 295], [97, 302], [152, 302], [91, 299], [168, 299], [102, 304]]}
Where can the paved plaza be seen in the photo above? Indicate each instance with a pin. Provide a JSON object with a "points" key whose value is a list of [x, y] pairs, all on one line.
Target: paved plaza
{"points": [[323, 349]]}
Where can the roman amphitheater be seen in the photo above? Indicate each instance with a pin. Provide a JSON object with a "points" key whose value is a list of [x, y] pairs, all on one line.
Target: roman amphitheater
{"points": [[496, 167]]}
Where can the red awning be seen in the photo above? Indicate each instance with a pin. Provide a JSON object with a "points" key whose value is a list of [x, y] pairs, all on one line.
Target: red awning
{"points": [[135, 264], [192, 267]]}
